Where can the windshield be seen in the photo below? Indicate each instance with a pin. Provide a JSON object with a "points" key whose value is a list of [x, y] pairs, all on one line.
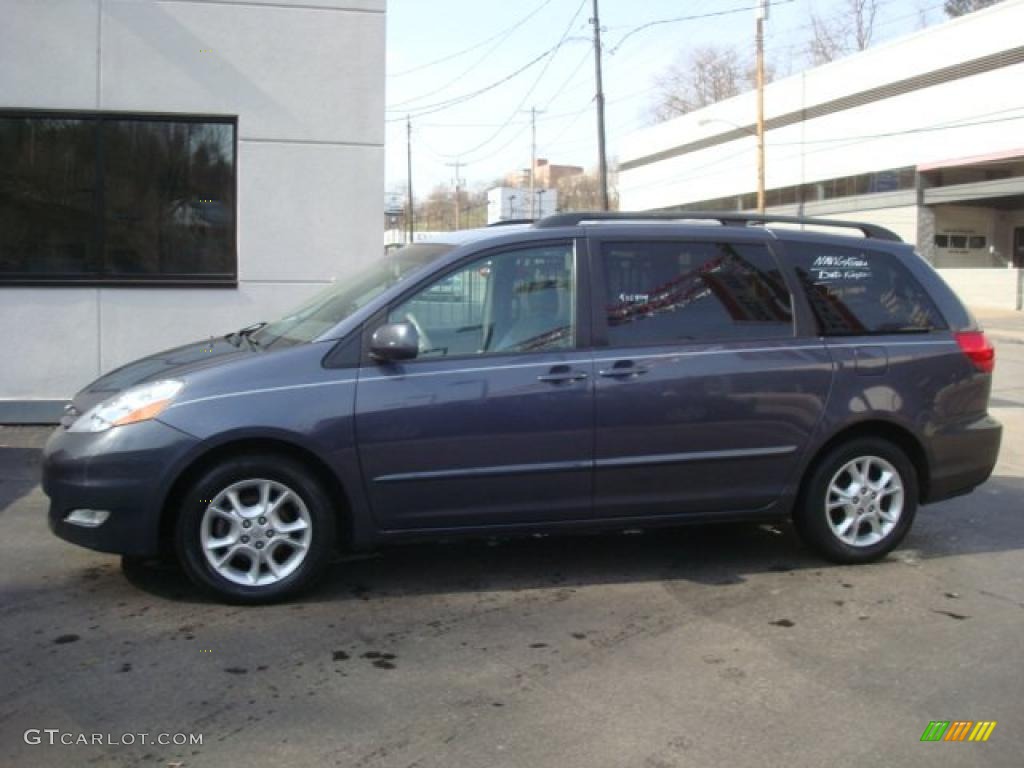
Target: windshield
{"points": [[332, 305]]}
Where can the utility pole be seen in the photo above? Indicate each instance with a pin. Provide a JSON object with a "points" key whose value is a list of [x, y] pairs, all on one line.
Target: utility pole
{"points": [[458, 186], [762, 14], [602, 162], [408, 148], [533, 155], [533, 161]]}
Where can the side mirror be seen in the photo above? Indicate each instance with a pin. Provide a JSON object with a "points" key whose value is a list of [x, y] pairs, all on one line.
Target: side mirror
{"points": [[394, 341]]}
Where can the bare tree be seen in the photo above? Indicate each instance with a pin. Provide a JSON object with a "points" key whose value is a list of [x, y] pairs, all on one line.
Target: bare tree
{"points": [[437, 211], [582, 192], [701, 77], [848, 30], [955, 8]]}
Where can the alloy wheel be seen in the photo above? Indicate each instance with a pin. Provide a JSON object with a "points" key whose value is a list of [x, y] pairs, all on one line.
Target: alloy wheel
{"points": [[864, 501], [256, 532]]}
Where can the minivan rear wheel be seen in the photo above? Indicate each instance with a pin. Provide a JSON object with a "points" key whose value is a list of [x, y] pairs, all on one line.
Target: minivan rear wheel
{"points": [[255, 529], [859, 501]]}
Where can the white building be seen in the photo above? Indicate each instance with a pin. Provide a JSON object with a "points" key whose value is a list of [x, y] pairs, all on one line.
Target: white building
{"points": [[924, 135], [512, 203], [175, 169]]}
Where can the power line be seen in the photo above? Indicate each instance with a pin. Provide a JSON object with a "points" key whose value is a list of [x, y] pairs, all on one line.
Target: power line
{"points": [[553, 52], [692, 17], [565, 130], [565, 84], [476, 46], [459, 77], [789, 32], [430, 109]]}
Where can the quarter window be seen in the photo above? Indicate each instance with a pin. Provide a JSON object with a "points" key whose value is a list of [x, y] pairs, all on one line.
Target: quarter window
{"points": [[858, 291], [663, 292], [517, 301]]}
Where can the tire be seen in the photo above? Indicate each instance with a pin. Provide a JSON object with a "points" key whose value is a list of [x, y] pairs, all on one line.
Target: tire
{"points": [[273, 522], [861, 527]]}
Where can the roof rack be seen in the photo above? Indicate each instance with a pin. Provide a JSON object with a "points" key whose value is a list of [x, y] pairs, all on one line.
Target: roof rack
{"points": [[725, 218], [506, 222]]}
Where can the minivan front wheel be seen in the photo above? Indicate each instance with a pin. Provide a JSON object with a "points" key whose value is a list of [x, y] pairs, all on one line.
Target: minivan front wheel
{"points": [[255, 529], [859, 501]]}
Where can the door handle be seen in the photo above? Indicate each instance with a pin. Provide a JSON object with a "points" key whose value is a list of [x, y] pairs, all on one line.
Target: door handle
{"points": [[562, 373], [623, 369]]}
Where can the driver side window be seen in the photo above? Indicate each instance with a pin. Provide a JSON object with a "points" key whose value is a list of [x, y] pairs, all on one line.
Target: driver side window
{"points": [[518, 301]]}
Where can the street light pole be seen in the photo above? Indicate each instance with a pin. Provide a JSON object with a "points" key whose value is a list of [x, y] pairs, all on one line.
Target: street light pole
{"points": [[762, 14], [458, 191], [533, 155]]}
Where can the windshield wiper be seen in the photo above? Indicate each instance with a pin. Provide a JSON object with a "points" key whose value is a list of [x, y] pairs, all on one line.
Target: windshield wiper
{"points": [[245, 333]]}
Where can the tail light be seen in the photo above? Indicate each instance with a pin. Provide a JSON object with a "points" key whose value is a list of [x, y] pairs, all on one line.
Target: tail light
{"points": [[978, 350]]}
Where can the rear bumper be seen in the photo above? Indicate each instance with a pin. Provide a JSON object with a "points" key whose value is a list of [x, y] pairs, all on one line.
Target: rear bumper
{"points": [[126, 471], [963, 457]]}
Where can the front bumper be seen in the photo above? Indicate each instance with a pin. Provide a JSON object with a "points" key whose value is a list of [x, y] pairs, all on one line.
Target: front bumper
{"points": [[127, 471], [963, 457]]}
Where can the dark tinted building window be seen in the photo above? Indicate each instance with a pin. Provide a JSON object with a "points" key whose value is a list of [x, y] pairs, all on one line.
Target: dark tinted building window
{"points": [[47, 197], [116, 198], [859, 291], [664, 292]]}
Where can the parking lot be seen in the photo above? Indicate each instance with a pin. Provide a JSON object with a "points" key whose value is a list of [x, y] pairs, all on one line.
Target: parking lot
{"points": [[711, 646]]}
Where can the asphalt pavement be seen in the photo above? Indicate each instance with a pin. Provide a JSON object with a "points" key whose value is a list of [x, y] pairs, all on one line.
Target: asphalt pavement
{"points": [[705, 646]]}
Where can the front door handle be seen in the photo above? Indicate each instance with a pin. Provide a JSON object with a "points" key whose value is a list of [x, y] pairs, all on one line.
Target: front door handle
{"points": [[562, 373], [623, 369]]}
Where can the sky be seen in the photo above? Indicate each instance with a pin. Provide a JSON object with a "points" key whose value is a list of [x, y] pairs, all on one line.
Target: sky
{"points": [[446, 51]]}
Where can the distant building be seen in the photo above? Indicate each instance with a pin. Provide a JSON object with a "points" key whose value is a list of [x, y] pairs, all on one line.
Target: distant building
{"points": [[922, 134], [545, 174], [509, 203]]}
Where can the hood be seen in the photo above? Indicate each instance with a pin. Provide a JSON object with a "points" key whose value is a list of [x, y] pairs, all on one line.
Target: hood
{"points": [[171, 363]]}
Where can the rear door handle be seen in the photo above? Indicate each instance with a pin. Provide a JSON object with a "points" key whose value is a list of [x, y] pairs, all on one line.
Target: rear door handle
{"points": [[562, 373], [623, 369]]}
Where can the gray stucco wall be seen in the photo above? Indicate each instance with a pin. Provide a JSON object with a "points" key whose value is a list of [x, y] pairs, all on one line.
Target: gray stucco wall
{"points": [[306, 81]]}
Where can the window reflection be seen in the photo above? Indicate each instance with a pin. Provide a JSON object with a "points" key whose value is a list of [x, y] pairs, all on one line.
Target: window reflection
{"points": [[660, 292], [855, 291], [114, 198], [47, 196], [167, 188]]}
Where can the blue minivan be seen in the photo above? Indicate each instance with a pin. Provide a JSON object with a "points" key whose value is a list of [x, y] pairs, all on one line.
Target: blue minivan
{"points": [[585, 371]]}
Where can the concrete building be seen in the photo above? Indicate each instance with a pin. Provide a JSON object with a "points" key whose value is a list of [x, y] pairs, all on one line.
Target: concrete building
{"points": [[511, 203], [922, 134], [175, 169], [545, 174]]}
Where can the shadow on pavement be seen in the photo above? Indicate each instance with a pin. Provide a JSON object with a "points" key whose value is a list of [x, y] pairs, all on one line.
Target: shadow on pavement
{"points": [[712, 555], [19, 474]]}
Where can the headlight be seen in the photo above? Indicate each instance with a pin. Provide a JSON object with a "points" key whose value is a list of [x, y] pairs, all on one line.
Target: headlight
{"points": [[141, 403]]}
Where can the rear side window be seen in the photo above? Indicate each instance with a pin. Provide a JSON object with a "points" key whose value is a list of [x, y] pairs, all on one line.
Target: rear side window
{"points": [[854, 291], [663, 292]]}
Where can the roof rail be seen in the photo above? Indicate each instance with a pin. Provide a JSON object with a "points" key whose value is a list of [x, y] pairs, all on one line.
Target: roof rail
{"points": [[506, 222], [725, 218]]}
